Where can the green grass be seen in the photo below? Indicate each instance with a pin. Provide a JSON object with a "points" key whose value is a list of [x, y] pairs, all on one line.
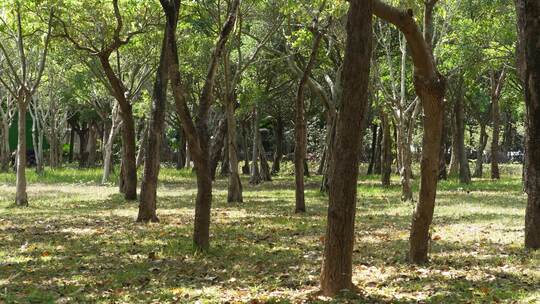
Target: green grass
{"points": [[78, 243]]}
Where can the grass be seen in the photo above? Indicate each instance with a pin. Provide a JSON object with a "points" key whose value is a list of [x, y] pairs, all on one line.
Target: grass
{"points": [[78, 243]]}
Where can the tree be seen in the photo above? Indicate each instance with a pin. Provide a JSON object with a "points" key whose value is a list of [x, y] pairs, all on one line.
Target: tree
{"points": [[22, 86], [529, 35], [430, 88], [103, 47], [197, 131], [337, 263]]}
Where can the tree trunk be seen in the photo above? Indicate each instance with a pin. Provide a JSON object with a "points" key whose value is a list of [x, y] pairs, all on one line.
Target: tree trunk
{"points": [[217, 145], [129, 151], [255, 175], [143, 144], [430, 88], [377, 168], [71, 144], [5, 152], [464, 171], [108, 150], [153, 134], [373, 149], [266, 176], [21, 198], [453, 168], [482, 142], [300, 129], [339, 241], [386, 151], [91, 147], [497, 81], [181, 154], [224, 168], [529, 30], [83, 140], [234, 189], [245, 144], [278, 154]]}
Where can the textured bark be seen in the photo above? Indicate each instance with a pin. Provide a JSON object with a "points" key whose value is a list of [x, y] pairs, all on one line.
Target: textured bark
{"points": [[156, 125], [386, 151], [181, 153], [91, 147], [529, 32], [245, 148], [377, 168], [339, 242], [453, 168], [430, 88], [266, 175]]}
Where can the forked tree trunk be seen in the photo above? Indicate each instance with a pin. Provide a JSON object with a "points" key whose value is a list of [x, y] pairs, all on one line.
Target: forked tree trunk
{"points": [[386, 151], [21, 197], [482, 142], [529, 32], [339, 241], [153, 133]]}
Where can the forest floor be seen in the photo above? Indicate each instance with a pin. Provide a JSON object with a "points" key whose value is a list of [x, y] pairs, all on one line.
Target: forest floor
{"points": [[78, 243]]}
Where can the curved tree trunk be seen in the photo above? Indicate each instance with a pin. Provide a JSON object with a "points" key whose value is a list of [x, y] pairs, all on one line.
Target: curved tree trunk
{"points": [[339, 242]]}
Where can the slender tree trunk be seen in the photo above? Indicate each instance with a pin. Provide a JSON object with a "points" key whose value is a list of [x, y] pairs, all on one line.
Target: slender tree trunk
{"points": [[245, 144], [453, 168], [300, 129], [143, 145], [278, 154], [482, 142], [4, 146], [464, 171], [153, 133], [386, 151], [372, 159], [339, 241], [181, 156], [234, 190], [495, 140], [266, 176], [255, 175], [377, 168], [83, 140], [21, 198], [529, 33], [71, 144], [91, 147], [129, 150], [224, 168], [217, 145]]}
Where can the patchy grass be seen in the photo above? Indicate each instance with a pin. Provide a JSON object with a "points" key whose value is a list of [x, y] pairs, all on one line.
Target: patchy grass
{"points": [[78, 243]]}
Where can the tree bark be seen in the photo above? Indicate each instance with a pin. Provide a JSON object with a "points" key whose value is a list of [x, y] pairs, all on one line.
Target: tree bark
{"points": [[91, 147], [482, 142], [153, 133], [377, 168], [266, 175], [464, 170], [529, 33], [339, 241], [453, 168], [234, 188], [372, 159], [216, 150]]}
